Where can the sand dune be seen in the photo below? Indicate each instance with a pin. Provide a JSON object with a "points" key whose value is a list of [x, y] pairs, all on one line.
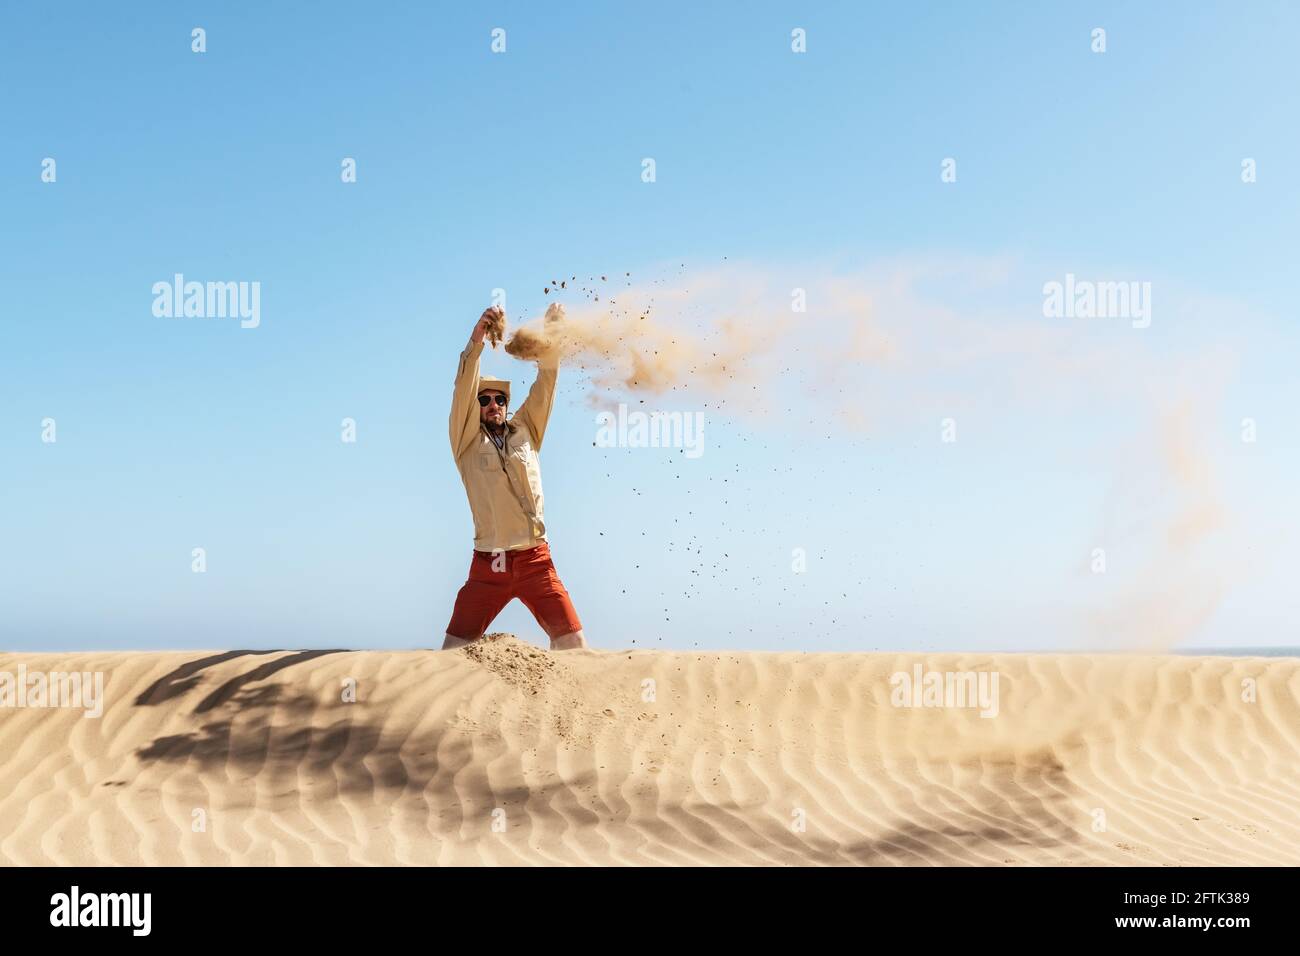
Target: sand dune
{"points": [[505, 754]]}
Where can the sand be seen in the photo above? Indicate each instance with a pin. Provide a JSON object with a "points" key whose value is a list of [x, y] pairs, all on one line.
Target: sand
{"points": [[503, 753], [538, 341], [496, 326]]}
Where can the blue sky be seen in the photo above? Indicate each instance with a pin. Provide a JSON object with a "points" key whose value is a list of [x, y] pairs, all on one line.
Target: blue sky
{"points": [[478, 171]]}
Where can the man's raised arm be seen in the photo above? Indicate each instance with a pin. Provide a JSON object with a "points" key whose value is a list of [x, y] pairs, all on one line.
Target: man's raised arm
{"points": [[464, 420], [535, 412]]}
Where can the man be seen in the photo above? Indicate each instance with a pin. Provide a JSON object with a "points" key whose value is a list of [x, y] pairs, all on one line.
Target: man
{"points": [[497, 460]]}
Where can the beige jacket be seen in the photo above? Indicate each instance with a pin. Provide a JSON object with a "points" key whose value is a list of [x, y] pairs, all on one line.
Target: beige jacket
{"points": [[504, 485]]}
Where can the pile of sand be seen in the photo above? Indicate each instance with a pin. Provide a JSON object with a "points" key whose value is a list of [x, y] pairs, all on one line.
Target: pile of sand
{"points": [[504, 753]]}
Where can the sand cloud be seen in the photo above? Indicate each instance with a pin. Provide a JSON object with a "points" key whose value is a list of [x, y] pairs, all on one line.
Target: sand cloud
{"points": [[911, 342]]}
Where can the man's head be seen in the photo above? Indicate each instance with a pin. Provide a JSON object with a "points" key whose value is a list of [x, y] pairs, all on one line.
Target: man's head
{"points": [[493, 399]]}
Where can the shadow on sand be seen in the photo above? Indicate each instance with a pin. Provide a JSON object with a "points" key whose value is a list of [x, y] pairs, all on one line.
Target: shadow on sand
{"points": [[262, 728]]}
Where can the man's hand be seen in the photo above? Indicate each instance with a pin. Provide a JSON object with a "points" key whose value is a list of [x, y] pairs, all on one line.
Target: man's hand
{"points": [[491, 323]]}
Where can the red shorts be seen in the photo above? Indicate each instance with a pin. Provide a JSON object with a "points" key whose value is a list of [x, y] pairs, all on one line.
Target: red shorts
{"points": [[496, 579]]}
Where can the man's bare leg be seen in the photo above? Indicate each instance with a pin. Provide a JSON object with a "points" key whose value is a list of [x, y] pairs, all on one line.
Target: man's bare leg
{"points": [[451, 643], [573, 641]]}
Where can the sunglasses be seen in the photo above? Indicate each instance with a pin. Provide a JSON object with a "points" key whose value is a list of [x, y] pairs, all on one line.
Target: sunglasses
{"points": [[501, 400]]}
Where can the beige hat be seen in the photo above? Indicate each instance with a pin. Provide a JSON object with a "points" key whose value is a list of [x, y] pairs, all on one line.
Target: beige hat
{"points": [[495, 384]]}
